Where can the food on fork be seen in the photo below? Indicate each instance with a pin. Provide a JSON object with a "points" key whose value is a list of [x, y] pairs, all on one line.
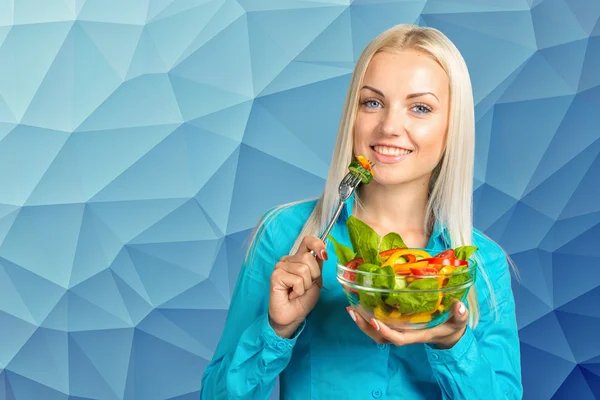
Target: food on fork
{"points": [[362, 168]]}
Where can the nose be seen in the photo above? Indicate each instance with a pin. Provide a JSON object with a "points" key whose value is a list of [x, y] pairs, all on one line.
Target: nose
{"points": [[393, 122]]}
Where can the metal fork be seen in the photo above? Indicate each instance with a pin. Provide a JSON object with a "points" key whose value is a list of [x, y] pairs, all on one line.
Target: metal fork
{"points": [[347, 186]]}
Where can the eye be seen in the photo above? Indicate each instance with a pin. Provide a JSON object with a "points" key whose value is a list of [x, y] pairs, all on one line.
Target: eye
{"points": [[421, 109], [371, 103]]}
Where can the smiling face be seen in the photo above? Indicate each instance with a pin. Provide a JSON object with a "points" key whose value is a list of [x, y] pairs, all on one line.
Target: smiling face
{"points": [[402, 117]]}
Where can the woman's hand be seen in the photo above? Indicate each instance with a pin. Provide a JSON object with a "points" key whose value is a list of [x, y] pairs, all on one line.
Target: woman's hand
{"points": [[443, 336], [295, 286]]}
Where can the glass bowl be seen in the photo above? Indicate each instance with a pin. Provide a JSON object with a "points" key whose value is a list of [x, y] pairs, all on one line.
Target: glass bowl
{"points": [[405, 301]]}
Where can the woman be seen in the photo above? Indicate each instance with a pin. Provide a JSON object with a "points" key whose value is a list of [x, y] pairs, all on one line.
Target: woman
{"points": [[409, 109]]}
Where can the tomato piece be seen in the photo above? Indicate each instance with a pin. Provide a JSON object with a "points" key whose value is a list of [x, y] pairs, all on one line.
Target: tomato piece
{"points": [[351, 276], [446, 254], [424, 271]]}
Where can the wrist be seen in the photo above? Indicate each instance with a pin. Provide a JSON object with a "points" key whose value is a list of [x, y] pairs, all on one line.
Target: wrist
{"points": [[284, 331], [450, 341]]}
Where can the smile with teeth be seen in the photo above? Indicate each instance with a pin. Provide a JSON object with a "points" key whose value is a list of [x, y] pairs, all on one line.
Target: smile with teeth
{"points": [[391, 151]]}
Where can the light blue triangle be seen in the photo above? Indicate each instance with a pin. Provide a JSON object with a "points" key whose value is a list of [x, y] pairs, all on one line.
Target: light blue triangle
{"points": [[216, 194], [528, 124], [109, 351], [21, 72], [197, 100], [86, 316], [146, 59], [288, 28], [339, 31], [162, 280], [555, 24], [132, 12], [570, 71], [229, 122], [536, 80], [42, 11], [303, 73], [280, 142], [38, 294], [128, 280], [87, 380], [127, 219], [185, 224], [229, 12], [10, 299], [174, 32], [50, 349], [52, 231], [157, 7], [144, 101], [116, 42], [228, 70]]}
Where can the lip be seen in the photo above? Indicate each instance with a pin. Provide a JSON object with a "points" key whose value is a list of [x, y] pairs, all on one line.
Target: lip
{"points": [[388, 159], [391, 145]]}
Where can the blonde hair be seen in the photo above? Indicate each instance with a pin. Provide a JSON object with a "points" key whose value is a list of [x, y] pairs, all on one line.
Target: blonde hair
{"points": [[451, 184]]}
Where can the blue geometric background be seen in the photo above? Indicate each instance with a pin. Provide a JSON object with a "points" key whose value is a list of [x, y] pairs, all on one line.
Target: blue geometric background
{"points": [[141, 140]]}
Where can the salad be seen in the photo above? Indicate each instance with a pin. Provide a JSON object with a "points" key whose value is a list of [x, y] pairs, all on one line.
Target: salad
{"points": [[400, 284]]}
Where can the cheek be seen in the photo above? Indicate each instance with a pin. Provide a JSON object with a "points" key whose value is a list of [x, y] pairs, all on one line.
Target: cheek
{"points": [[430, 139]]}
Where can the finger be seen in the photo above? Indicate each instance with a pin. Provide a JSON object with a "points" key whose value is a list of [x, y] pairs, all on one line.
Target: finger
{"points": [[283, 281], [401, 338], [460, 316], [315, 244], [302, 270], [366, 327]]}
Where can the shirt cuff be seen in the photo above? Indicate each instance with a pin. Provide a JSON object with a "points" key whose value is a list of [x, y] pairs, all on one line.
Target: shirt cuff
{"points": [[276, 342], [453, 354]]}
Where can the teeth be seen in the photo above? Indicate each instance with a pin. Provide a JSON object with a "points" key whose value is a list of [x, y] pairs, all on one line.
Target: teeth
{"points": [[391, 151]]}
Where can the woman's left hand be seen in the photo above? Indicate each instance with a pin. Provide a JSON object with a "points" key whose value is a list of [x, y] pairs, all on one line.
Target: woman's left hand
{"points": [[443, 336]]}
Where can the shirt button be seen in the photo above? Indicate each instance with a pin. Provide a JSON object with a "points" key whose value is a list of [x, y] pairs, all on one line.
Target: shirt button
{"points": [[382, 346], [281, 345], [435, 357], [376, 394]]}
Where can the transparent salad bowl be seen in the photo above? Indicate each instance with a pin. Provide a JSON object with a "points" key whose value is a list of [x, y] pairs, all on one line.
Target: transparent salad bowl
{"points": [[405, 301]]}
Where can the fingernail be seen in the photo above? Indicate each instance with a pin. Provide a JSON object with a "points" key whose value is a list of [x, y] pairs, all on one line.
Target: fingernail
{"points": [[324, 255], [461, 309], [375, 324], [351, 312]]}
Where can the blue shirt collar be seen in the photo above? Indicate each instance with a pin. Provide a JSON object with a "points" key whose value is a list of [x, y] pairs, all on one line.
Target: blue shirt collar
{"points": [[438, 235]]}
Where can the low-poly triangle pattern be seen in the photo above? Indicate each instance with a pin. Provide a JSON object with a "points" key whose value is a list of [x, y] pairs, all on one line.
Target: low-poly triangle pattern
{"points": [[141, 140]]}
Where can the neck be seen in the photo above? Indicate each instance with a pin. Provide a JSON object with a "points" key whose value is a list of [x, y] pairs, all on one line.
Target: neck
{"points": [[397, 208]]}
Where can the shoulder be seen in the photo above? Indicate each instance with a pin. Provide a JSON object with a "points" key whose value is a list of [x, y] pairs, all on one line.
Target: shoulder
{"points": [[281, 225]]}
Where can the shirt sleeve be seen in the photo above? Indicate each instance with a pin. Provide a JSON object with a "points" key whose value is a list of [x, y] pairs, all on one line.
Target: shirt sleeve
{"points": [[250, 355], [485, 363]]}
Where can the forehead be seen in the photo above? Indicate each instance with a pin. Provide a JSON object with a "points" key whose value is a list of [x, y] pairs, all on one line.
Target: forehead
{"points": [[406, 70]]}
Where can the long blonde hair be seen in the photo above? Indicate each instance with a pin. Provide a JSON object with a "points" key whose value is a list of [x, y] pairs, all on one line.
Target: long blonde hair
{"points": [[451, 184]]}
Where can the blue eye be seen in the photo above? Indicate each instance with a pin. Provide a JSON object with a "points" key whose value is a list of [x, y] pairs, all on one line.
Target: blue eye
{"points": [[370, 103], [421, 109]]}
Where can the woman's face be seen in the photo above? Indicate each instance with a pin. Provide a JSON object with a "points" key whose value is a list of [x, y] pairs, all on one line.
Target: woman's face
{"points": [[402, 116]]}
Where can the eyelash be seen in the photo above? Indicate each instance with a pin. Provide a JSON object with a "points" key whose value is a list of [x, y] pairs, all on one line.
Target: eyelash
{"points": [[425, 106]]}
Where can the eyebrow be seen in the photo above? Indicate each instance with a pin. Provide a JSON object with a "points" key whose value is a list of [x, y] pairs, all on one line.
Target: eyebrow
{"points": [[410, 96]]}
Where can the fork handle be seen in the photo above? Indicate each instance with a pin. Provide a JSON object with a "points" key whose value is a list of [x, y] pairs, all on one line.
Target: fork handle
{"points": [[330, 225]]}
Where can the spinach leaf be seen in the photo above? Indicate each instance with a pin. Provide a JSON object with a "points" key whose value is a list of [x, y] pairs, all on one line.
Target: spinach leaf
{"points": [[464, 252], [364, 239], [343, 253], [412, 301], [392, 241], [456, 280]]}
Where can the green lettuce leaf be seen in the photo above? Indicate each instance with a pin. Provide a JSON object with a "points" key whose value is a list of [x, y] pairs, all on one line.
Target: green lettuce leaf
{"points": [[365, 241], [451, 297], [464, 252], [392, 241], [343, 253], [417, 302]]}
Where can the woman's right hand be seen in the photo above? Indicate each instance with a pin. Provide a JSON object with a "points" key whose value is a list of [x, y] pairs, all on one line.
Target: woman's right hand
{"points": [[295, 286]]}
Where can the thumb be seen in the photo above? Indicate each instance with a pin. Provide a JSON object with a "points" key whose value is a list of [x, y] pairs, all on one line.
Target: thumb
{"points": [[461, 314]]}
